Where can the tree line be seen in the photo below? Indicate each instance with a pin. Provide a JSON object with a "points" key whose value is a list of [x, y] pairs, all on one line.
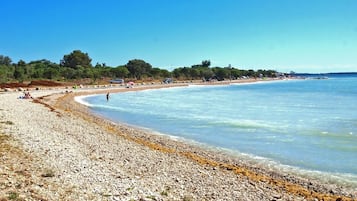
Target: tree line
{"points": [[77, 65]]}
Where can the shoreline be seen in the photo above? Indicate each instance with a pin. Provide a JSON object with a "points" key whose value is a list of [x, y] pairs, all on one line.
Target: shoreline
{"points": [[329, 178], [245, 168], [220, 166]]}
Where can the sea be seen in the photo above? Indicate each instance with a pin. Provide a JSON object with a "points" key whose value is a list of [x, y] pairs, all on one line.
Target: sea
{"points": [[303, 126]]}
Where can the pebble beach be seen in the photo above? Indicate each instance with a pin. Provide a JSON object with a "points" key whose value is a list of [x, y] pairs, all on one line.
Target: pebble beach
{"points": [[57, 150]]}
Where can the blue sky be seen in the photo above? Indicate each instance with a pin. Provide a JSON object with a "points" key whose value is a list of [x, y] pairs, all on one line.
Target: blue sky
{"points": [[284, 35]]}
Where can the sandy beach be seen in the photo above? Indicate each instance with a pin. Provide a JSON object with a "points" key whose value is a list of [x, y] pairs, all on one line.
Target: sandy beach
{"points": [[53, 148]]}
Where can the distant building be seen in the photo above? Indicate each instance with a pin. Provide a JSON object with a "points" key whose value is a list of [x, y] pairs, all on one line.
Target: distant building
{"points": [[117, 81]]}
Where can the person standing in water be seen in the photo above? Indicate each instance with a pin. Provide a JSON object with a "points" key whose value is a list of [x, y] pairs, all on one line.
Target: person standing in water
{"points": [[107, 96]]}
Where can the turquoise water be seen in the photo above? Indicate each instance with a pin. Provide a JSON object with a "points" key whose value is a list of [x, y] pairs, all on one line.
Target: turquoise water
{"points": [[305, 125]]}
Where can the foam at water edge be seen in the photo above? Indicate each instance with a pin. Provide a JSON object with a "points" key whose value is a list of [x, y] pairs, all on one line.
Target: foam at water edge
{"points": [[80, 99], [266, 82]]}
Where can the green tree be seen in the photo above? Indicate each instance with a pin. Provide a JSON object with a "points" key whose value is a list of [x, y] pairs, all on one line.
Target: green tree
{"points": [[251, 73], [221, 73], [186, 72], [42, 69], [5, 60], [177, 73], [76, 59], [206, 63], [6, 69], [195, 73], [120, 72], [6, 73], [19, 74], [105, 71], [165, 73], [21, 63], [138, 68], [95, 74], [236, 73], [68, 73], [37, 73], [156, 73], [206, 73], [50, 73]]}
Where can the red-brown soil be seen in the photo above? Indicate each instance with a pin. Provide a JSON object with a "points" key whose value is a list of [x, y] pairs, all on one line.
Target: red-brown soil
{"points": [[32, 84]]}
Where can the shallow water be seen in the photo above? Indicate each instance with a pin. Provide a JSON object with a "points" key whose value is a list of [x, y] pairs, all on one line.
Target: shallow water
{"points": [[308, 126]]}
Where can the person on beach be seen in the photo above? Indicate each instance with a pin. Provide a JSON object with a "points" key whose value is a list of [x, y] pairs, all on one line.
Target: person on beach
{"points": [[27, 95], [107, 96]]}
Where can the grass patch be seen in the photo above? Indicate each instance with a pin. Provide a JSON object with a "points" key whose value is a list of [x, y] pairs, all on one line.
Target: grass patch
{"points": [[13, 196], [164, 193], [130, 189], [7, 122], [48, 173], [151, 197]]}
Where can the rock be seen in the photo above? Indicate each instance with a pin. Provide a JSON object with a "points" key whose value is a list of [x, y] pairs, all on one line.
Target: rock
{"points": [[276, 196]]}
